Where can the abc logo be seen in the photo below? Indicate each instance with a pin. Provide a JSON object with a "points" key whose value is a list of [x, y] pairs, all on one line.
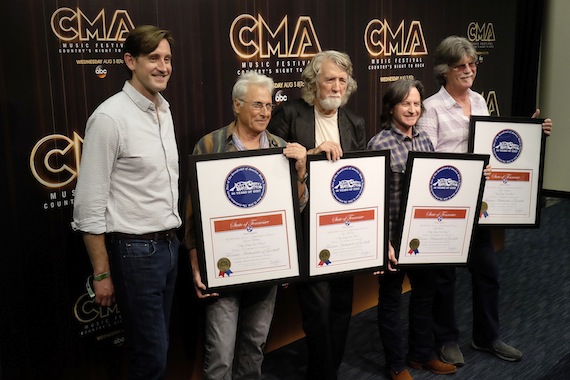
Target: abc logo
{"points": [[280, 97], [100, 71]]}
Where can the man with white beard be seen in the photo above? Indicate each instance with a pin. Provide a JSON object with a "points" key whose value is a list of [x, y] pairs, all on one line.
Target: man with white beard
{"points": [[321, 124]]}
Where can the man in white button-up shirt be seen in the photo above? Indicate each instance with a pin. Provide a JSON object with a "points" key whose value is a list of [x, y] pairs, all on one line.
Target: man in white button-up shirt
{"points": [[126, 201]]}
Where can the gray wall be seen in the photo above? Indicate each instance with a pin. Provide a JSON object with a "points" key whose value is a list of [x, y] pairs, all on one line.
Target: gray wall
{"points": [[553, 94]]}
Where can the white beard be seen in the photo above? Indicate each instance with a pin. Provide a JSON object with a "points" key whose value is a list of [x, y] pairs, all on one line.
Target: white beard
{"points": [[330, 104]]}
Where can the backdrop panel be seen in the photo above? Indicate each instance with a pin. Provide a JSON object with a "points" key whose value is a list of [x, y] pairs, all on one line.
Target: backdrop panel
{"points": [[61, 59]]}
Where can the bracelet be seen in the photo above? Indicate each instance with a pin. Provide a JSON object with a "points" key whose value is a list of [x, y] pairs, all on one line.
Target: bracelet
{"points": [[101, 276], [304, 179]]}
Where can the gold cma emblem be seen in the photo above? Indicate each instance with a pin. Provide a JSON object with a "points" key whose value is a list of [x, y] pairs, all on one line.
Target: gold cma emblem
{"points": [[251, 37], [484, 32], [381, 40], [72, 25], [86, 310], [55, 159]]}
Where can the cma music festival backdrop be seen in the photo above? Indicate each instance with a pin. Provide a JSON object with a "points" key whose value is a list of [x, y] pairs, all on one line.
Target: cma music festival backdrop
{"points": [[61, 59]]}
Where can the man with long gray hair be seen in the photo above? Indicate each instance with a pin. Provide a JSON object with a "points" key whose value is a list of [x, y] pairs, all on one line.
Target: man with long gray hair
{"points": [[321, 124]]}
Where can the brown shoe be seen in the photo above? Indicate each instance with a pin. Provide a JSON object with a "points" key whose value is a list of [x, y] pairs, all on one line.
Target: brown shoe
{"points": [[402, 375], [436, 366]]}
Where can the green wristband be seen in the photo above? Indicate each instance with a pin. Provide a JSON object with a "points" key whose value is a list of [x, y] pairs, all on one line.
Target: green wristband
{"points": [[101, 276]]}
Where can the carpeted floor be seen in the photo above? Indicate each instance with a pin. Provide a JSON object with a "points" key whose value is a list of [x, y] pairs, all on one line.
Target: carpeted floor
{"points": [[535, 315]]}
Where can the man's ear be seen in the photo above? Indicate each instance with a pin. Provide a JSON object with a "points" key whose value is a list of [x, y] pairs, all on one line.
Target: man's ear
{"points": [[236, 106], [129, 61]]}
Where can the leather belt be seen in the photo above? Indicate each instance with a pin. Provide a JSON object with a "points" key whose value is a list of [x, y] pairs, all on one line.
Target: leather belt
{"points": [[156, 236]]}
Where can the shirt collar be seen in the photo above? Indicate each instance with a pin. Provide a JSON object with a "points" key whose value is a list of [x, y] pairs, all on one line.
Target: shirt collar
{"points": [[399, 135], [142, 101], [448, 100]]}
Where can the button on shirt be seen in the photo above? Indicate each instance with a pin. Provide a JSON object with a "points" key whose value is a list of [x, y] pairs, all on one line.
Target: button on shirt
{"points": [[446, 124], [399, 145], [128, 179]]}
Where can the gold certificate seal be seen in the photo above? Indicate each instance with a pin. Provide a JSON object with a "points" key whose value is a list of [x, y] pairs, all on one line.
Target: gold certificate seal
{"points": [[414, 244], [484, 207], [224, 264], [324, 255]]}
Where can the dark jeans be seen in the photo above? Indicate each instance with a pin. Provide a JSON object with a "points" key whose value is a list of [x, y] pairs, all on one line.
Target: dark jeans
{"points": [[144, 275], [484, 268], [326, 308], [420, 340]]}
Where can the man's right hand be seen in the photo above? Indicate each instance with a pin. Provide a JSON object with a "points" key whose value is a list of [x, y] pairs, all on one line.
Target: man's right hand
{"points": [[199, 286], [104, 292], [331, 149]]}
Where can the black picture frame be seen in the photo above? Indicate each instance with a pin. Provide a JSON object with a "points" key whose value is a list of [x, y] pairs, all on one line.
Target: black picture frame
{"points": [[218, 222], [365, 217], [516, 148], [439, 212]]}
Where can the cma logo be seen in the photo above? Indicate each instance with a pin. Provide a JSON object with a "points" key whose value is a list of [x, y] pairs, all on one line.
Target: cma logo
{"points": [[382, 40], [252, 37], [72, 25], [86, 310], [55, 159], [483, 33], [492, 103]]}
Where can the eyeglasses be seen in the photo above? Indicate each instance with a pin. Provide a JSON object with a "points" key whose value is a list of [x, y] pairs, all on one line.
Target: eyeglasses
{"points": [[258, 105], [471, 65]]}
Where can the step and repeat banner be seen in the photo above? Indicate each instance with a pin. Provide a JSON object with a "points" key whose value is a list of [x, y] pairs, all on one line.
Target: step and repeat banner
{"points": [[61, 59]]}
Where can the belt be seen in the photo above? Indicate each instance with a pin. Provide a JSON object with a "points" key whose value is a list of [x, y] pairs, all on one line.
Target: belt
{"points": [[161, 235]]}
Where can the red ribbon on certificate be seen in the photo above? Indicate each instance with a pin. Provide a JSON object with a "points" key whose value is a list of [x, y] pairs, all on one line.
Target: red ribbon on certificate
{"points": [[228, 272], [321, 263]]}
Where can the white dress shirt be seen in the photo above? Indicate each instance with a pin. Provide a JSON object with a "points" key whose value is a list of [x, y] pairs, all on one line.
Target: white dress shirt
{"points": [[128, 178]]}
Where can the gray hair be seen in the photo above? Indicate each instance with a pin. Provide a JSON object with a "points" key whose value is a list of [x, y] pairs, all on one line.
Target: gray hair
{"points": [[313, 68], [248, 79], [449, 52]]}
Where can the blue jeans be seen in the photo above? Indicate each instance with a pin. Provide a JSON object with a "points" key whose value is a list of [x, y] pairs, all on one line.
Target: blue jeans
{"points": [[144, 275]]}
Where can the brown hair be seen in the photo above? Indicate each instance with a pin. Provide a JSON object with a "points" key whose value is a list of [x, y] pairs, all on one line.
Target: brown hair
{"points": [[145, 39]]}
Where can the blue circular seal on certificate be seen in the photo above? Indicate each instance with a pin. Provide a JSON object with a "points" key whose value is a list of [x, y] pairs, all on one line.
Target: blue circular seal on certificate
{"points": [[445, 183], [507, 146], [245, 186], [347, 184]]}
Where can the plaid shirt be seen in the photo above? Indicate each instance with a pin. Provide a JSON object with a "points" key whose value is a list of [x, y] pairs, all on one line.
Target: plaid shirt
{"points": [[399, 145]]}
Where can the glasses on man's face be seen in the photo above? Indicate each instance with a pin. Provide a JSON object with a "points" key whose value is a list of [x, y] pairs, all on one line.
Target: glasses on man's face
{"points": [[258, 105], [472, 65], [463, 67]]}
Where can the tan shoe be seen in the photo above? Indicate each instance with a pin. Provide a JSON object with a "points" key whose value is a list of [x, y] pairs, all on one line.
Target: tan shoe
{"points": [[402, 375], [436, 366]]}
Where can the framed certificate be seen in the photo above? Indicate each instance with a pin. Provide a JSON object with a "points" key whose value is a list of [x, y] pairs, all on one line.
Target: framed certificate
{"points": [[440, 207], [516, 149], [246, 216], [348, 218]]}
